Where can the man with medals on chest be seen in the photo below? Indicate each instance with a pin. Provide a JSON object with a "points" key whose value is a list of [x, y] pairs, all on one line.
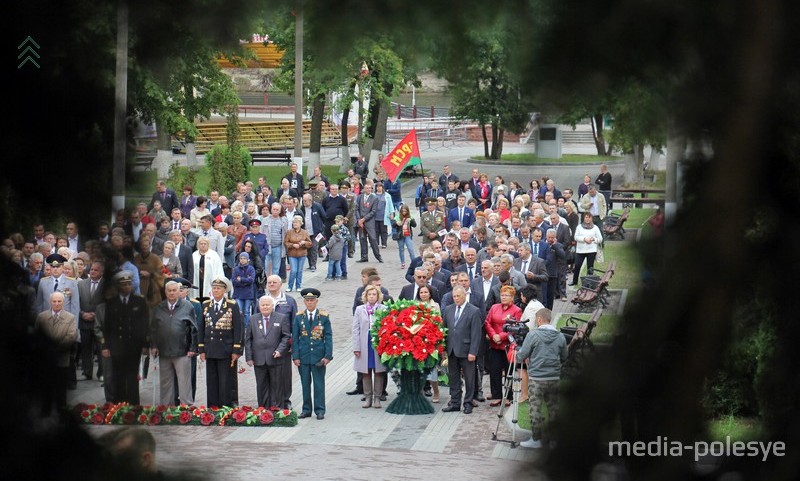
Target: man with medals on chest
{"points": [[220, 345], [312, 350]]}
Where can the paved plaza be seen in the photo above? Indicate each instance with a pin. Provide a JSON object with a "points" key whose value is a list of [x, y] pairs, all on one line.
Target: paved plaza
{"points": [[352, 442]]}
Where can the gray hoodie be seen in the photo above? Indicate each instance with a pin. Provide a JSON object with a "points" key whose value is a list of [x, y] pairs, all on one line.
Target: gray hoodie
{"points": [[547, 349]]}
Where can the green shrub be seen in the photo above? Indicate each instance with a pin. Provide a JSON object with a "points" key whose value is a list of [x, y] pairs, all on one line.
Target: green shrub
{"points": [[227, 167]]}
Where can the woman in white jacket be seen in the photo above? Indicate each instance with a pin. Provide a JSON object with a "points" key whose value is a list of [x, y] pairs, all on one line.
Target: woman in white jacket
{"points": [[587, 239], [212, 268]]}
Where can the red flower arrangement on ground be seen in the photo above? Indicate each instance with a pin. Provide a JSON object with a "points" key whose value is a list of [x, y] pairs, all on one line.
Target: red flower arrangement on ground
{"points": [[124, 413], [408, 335]]}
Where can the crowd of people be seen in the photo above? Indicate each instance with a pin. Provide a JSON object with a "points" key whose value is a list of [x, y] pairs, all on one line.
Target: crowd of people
{"points": [[193, 276]]}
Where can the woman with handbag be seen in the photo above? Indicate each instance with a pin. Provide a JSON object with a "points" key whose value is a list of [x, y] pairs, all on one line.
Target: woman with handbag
{"points": [[403, 234]]}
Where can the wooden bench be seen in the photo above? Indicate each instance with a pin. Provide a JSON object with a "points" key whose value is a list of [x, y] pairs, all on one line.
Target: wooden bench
{"points": [[271, 157], [594, 291], [144, 159], [613, 225], [637, 200], [579, 340]]}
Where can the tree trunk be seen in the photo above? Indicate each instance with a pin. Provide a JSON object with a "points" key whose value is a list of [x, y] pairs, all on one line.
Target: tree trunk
{"points": [[380, 134], [485, 141], [597, 132], [495, 137], [163, 159], [639, 150], [317, 114]]}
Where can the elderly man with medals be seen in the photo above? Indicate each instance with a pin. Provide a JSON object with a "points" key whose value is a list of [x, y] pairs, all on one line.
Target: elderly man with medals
{"points": [[220, 343]]}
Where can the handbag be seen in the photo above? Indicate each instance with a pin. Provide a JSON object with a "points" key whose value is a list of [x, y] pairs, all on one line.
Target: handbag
{"points": [[397, 234]]}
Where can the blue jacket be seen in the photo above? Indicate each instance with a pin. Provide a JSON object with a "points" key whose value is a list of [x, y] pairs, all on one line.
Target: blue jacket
{"points": [[469, 216], [318, 216], [394, 190], [242, 279]]}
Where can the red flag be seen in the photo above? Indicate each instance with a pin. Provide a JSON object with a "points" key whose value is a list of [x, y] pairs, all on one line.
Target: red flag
{"points": [[405, 154]]}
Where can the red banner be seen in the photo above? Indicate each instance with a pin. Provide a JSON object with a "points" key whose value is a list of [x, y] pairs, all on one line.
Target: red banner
{"points": [[405, 154]]}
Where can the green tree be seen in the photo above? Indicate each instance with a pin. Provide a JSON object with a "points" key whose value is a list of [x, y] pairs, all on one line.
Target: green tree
{"points": [[486, 89]]}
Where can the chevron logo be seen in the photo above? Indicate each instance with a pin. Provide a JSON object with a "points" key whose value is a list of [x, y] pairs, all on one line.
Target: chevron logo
{"points": [[28, 52]]}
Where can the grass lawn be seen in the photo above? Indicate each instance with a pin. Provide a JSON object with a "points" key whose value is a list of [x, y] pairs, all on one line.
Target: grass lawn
{"points": [[143, 183], [565, 159], [739, 429], [604, 330]]}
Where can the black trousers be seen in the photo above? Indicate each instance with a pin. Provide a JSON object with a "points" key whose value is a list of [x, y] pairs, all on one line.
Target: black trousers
{"points": [[380, 230], [498, 367], [286, 378], [125, 378], [219, 382], [367, 234]]}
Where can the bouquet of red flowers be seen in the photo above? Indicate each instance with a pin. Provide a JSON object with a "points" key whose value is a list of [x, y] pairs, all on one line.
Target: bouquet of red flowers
{"points": [[124, 413], [408, 335]]}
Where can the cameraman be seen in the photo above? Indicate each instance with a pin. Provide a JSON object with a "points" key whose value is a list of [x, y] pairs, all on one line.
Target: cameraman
{"points": [[545, 349], [497, 362]]}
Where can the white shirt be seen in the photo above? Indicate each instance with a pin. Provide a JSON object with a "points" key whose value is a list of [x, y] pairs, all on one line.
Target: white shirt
{"points": [[487, 286]]}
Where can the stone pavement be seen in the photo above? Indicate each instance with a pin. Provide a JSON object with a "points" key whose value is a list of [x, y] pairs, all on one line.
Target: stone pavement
{"points": [[351, 442]]}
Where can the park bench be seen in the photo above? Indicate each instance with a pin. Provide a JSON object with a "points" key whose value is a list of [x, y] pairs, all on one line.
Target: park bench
{"points": [[594, 289], [613, 225], [271, 157], [144, 159], [578, 333]]}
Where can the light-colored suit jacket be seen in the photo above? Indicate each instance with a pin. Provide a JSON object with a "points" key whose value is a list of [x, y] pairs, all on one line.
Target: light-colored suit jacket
{"points": [[361, 327], [63, 331]]}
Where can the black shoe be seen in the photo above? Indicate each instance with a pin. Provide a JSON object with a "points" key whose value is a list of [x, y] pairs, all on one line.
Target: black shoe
{"points": [[467, 409], [344, 278], [304, 415], [383, 397], [350, 256], [380, 259], [363, 398], [571, 284], [428, 393], [320, 416], [363, 260], [480, 397], [354, 392], [451, 408], [313, 269]]}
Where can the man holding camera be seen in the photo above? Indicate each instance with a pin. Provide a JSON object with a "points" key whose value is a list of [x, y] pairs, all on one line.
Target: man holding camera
{"points": [[544, 349]]}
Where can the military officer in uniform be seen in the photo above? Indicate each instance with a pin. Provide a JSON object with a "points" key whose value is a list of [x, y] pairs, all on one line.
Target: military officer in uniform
{"points": [[312, 350], [432, 222], [220, 346], [124, 325]]}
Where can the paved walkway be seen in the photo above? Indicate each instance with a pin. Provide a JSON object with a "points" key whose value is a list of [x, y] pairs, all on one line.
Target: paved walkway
{"points": [[351, 442]]}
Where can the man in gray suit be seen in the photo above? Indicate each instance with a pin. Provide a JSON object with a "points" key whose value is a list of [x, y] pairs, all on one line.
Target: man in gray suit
{"points": [[91, 295], [266, 345], [366, 208], [463, 321], [534, 268]]}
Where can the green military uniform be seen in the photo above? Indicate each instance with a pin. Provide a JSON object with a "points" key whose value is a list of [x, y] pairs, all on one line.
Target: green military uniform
{"points": [[431, 222], [312, 341]]}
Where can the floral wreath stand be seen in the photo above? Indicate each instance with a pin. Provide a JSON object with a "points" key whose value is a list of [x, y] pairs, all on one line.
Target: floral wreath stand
{"points": [[410, 337], [411, 399]]}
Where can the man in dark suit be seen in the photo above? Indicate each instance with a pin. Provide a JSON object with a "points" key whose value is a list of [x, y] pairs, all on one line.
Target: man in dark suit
{"points": [[556, 257], [446, 177], [470, 265], [286, 190], [167, 197], [189, 237], [462, 279], [534, 268], [315, 213], [91, 295], [125, 326], [462, 213], [410, 292], [463, 321], [334, 205], [266, 346], [366, 208], [183, 253], [539, 247], [220, 343]]}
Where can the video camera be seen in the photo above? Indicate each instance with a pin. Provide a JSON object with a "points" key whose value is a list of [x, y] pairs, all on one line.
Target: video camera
{"points": [[516, 329]]}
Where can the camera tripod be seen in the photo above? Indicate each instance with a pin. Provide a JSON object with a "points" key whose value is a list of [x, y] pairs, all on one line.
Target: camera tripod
{"points": [[512, 383]]}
